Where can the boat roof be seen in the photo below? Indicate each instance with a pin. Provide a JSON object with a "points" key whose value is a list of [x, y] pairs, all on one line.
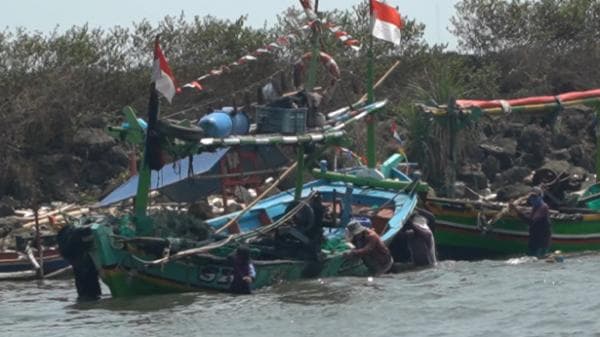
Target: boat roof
{"points": [[175, 179]]}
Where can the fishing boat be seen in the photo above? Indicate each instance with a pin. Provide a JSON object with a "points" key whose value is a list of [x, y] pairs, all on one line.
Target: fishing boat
{"points": [[16, 265], [131, 265], [25, 263], [482, 228], [291, 235]]}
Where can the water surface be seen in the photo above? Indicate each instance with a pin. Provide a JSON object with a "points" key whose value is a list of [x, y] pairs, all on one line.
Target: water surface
{"points": [[487, 298]]}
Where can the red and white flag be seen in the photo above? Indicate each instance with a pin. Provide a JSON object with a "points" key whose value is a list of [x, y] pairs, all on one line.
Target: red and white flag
{"points": [[162, 76], [386, 22]]}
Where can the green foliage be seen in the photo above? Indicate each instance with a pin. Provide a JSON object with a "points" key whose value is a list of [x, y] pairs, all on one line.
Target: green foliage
{"points": [[540, 47]]}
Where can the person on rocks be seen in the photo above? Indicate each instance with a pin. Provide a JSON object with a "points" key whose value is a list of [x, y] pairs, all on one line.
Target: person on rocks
{"points": [[369, 247], [540, 232], [420, 241], [243, 271]]}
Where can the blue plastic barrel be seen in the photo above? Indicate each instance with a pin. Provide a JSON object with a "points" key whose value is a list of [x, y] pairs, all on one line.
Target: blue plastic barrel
{"points": [[217, 124], [241, 123]]}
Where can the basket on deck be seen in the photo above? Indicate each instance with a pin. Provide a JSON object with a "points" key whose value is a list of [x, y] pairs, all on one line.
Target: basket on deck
{"points": [[280, 120]]}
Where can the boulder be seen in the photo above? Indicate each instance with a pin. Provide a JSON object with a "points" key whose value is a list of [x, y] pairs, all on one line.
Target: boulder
{"points": [[513, 129], [583, 155], [490, 167], [7, 206], [474, 179], [512, 192], [562, 140], [511, 176], [90, 143], [504, 149], [562, 154], [6, 210], [534, 141], [8, 224]]}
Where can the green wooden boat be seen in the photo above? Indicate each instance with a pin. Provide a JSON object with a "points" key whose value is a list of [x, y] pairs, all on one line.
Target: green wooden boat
{"points": [[462, 229], [132, 265], [133, 255]]}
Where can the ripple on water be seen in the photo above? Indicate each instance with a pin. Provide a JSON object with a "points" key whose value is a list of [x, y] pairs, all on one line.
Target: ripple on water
{"points": [[485, 298]]}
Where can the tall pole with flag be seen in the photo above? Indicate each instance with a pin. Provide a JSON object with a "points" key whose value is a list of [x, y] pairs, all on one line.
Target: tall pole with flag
{"points": [[386, 24], [163, 82]]}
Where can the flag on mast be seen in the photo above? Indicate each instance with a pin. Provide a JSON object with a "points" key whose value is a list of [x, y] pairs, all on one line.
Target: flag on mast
{"points": [[386, 21], [162, 76]]}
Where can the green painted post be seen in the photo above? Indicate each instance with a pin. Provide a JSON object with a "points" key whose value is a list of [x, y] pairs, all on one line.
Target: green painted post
{"points": [[314, 60], [371, 118], [452, 130], [143, 225], [597, 144], [141, 198], [310, 84]]}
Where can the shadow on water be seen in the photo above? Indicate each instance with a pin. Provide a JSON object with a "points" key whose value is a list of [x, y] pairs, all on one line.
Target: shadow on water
{"points": [[314, 292], [139, 304]]}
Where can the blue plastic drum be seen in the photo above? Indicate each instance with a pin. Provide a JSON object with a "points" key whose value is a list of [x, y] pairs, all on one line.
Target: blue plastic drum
{"points": [[217, 124]]}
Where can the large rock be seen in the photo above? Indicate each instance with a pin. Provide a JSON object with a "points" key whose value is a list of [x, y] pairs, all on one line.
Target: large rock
{"points": [[490, 167], [512, 192], [513, 129], [90, 143], [6, 210], [504, 149], [100, 172], [583, 155], [7, 206], [562, 154], [8, 224], [562, 140], [473, 178], [533, 141], [511, 176]]}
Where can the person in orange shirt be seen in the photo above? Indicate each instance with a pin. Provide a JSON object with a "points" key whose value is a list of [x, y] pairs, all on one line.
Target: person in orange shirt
{"points": [[370, 248]]}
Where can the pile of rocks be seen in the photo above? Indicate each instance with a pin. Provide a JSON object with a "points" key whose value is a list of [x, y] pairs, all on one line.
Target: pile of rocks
{"points": [[512, 156]]}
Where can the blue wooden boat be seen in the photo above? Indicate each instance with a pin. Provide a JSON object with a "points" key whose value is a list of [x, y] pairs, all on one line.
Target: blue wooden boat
{"points": [[18, 265]]}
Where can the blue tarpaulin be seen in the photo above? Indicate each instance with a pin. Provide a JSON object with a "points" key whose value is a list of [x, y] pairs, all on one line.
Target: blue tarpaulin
{"points": [[173, 180], [168, 175]]}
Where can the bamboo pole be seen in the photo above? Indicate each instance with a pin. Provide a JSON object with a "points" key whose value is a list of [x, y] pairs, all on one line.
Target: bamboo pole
{"points": [[259, 198], [38, 242]]}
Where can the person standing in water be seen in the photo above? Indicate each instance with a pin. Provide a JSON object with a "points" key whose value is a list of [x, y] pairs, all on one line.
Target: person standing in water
{"points": [[369, 247], [243, 271], [420, 241], [540, 233]]}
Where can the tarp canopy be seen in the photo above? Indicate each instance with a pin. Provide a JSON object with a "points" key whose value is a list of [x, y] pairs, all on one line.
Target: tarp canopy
{"points": [[176, 181], [168, 175]]}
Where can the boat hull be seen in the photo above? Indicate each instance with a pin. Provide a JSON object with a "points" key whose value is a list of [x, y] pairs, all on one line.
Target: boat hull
{"points": [[460, 235], [16, 266], [127, 271]]}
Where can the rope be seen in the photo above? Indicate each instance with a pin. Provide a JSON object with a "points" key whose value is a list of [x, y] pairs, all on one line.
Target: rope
{"points": [[220, 98], [234, 237]]}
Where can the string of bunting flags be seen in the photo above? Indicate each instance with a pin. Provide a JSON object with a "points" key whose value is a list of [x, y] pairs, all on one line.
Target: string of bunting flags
{"points": [[279, 43]]}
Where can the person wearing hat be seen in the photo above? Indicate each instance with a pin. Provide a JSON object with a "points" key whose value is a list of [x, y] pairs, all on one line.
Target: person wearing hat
{"points": [[420, 241], [369, 247], [540, 233]]}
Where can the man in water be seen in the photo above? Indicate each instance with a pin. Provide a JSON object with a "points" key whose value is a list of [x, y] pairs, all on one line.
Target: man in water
{"points": [[540, 234], [374, 253], [420, 241], [243, 271]]}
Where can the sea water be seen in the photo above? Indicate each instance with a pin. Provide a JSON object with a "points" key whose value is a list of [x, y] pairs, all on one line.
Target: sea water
{"points": [[524, 297]]}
